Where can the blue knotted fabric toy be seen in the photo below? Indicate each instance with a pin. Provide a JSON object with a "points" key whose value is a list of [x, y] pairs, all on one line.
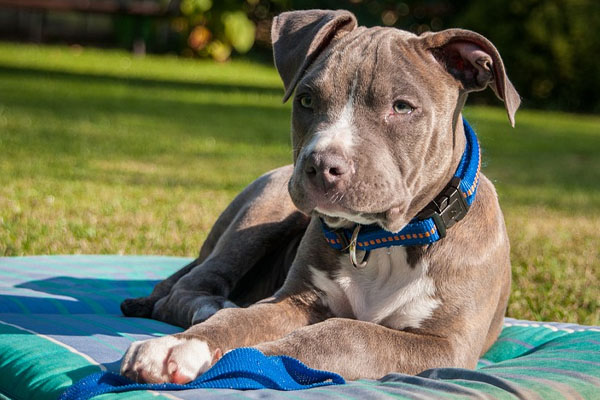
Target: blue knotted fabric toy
{"points": [[242, 369]]}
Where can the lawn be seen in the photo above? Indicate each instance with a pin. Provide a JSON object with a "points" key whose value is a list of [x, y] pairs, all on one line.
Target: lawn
{"points": [[105, 153]]}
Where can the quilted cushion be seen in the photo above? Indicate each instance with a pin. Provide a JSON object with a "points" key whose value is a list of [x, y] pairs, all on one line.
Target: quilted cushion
{"points": [[60, 321]]}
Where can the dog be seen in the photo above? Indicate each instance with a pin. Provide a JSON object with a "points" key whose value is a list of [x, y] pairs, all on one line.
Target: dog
{"points": [[373, 253]]}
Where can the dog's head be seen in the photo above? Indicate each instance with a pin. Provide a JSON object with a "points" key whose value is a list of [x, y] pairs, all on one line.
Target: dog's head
{"points": [[376, 126]]}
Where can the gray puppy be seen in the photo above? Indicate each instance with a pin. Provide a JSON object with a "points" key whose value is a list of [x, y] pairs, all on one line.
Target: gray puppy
{"points": [[383, 249]]}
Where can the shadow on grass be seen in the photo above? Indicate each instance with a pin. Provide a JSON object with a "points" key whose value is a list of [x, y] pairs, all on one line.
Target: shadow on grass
{"points": [[537, 164], [85, 78], [542, 164], [106, 122]]}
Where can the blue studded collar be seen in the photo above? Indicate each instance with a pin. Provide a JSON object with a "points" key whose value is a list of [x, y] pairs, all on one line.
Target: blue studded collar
{"points": [[431, 224]]}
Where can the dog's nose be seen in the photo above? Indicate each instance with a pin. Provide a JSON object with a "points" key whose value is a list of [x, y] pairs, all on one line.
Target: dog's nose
{"points": [[327, 170]]}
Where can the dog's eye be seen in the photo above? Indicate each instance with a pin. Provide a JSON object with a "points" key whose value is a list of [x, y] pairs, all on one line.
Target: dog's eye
{"points": [[401, 107], [306, 101]]}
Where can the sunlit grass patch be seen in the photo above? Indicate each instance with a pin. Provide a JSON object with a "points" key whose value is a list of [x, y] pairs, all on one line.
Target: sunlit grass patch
{"points": [[105, 153]]}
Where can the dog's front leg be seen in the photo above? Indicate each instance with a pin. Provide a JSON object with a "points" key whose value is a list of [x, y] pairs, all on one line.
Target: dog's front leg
{"points": [[358, 349], [261, 221], [182, 357]]}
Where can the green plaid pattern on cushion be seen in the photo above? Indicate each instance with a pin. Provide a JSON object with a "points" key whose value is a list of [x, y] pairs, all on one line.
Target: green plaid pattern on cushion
{"points": [[60, 321]]}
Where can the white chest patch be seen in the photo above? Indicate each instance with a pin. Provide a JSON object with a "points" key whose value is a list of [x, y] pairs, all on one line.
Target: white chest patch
{"points": [[388, 290]]}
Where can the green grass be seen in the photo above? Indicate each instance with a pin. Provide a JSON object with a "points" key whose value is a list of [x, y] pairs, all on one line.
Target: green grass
{"points": [[102, 152]]}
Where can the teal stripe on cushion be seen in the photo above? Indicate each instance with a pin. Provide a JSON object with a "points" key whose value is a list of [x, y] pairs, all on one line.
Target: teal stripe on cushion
{"points": [[329, 394], [575, 360], [35, 367], [492, 391], [538, 359], [79, 284], [59, 307], [401, 391], [566, 366], [556, 369], [589, 365], [545, 389], [69, 287], [18, 303], [103, 338], [138, 395], [515, 341], [53, 368], [413, 386]]}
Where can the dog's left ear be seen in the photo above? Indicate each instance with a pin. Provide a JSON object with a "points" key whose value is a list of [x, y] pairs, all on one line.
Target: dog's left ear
{"points": [[300, 36], [474, 61]]}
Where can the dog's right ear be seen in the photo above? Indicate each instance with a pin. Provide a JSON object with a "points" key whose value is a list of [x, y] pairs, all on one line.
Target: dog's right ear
{"points": [[300, 36], [474, 61]]}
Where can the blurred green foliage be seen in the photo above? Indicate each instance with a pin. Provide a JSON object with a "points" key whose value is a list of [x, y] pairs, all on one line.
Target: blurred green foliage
{"points": [[215, 29], [549, 46]]}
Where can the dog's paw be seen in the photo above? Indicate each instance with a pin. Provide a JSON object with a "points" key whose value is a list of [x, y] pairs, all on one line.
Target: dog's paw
{"points": [[186, 308], [206, 306], [140, 307], [168, 359]]}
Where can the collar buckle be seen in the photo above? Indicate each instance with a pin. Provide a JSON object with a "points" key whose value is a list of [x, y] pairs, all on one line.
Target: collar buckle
{"points": [[350, 247], [339, 233], [447, 208], [352, 251]]}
